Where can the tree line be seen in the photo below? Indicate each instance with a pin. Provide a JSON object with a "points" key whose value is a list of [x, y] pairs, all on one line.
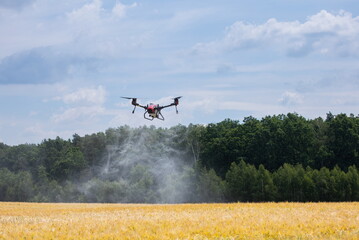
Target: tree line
{"points": [[277, 158]]}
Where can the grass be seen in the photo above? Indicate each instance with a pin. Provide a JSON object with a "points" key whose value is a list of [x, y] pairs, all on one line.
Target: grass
{"points": [[180, 221]]}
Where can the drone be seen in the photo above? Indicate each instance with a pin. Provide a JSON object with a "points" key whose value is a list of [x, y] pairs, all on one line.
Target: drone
{"points": [[152, 110]]}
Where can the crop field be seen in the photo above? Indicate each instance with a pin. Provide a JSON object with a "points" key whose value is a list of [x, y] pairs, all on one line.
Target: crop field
{"points": [[179, 221]]}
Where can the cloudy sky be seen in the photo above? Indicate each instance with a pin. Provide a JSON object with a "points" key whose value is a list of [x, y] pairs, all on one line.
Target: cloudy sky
{"points": [[64, 65]]}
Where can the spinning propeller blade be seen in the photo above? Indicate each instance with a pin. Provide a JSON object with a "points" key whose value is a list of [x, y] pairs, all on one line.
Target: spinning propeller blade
{"points": [[134, 103], [129, 98], [176, 102]]}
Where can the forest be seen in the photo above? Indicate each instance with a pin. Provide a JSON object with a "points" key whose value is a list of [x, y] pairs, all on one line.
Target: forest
{"points": [[277, 158]]}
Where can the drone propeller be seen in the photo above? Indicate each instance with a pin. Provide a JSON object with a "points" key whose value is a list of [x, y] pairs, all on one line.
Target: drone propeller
{"points": [[176, 102], [134, 102], [129, 98]]}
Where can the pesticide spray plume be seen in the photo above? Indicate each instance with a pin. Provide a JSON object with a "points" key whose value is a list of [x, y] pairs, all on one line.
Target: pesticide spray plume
{"points": [[145, 165]]}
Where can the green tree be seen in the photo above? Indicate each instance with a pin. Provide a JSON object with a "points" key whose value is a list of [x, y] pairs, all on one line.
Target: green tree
{"points": [[289, 181], [15, 186], [286, 139], [210, 187], [60, 158], [241, 182], [353, 180], [142, 188], [322, 183], [344, 141], [22, 157], [92, 147], [309, 189], [104, 191], [255, 139], [322, 152], [266, 190], [221, 145], [193, 136]]}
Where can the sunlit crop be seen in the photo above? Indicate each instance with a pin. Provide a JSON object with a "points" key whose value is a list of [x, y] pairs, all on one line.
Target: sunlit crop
{"points": [[182, 221]]}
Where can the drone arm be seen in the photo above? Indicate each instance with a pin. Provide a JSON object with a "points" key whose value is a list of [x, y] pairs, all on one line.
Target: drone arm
{"points": [[169, 105], [134, 103], [137, 105], [166, 106]]}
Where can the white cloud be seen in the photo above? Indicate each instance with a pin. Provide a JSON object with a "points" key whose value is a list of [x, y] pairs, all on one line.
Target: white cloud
{"points": [[214, 102], [183, 19], [15, 4], [79, 114], [39, 131], [87, 21], [120, 9], [323, 33], [80, 28], [87, 13], [86, 96], [31, 28], [83, 104], [100, 32], [94, 14], [290, 98]]}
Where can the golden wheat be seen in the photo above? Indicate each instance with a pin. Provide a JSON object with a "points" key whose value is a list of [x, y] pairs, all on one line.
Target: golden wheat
{"points": [[182, 221]]}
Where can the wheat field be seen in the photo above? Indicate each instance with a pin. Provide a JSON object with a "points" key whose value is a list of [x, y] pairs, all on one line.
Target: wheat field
{"points": [[179, 221]]}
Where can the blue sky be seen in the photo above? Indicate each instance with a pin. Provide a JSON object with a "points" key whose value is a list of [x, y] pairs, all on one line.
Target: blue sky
{"points": [[65, 64]]}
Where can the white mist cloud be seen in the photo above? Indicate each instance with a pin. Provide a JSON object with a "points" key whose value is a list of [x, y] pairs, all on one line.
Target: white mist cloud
{"points": [[137, 153]]}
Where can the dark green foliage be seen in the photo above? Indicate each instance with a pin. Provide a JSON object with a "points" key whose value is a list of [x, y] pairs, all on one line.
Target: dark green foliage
{"points": [[246, 183], [15, 186], [277, 158], [19, 157], [211, 187], [265, 190], [92, 146], [105, 191], [343, 141], [290, 183], [221, 144], [241, 181], [353, 180], [60, 158], [280, 139]]}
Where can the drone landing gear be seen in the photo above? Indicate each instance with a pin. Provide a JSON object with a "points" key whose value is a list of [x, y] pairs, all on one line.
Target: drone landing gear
{"points": [[151, 117], [148, 118], [160, 118]]}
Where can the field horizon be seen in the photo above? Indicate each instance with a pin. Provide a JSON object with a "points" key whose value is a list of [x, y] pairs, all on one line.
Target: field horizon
{"points": [[283, 220]]}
